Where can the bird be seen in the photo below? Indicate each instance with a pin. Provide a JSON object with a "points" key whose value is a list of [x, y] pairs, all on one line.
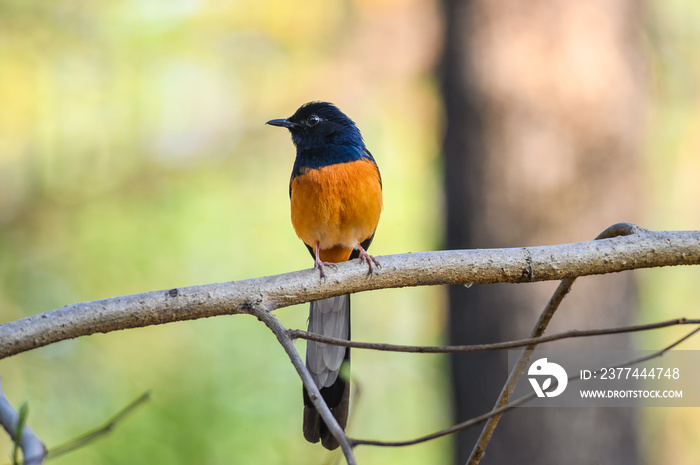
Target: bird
{"points": [[335, 193]]}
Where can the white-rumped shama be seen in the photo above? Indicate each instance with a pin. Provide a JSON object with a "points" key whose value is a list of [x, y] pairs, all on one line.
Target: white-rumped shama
{"points": [[336, 199]]}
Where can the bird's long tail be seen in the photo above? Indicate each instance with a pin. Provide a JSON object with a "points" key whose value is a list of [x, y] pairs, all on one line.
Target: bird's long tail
{"points": [[329, 366]]}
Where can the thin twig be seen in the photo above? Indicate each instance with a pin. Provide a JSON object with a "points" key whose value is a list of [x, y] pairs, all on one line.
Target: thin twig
{"points": [[509, 406], [574, 333], [451, 430], [619, 229], [103, 430], [287, 343]]}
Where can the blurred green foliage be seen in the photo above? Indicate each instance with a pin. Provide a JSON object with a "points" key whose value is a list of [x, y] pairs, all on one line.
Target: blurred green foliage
{"points": [[134, 157]]}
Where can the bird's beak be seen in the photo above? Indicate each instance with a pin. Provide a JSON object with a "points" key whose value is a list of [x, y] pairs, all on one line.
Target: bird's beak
{"points": [[284, 123]]}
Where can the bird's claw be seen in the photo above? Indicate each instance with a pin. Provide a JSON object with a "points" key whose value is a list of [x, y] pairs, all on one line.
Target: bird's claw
{"points": [[370, 260], [322, 267]]}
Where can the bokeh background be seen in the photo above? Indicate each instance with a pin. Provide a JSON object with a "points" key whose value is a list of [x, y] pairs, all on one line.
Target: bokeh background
{"points": [[134, 157]]}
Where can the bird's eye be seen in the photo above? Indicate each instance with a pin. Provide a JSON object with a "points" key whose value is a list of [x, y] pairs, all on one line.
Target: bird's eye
{"points": [[313, 120]]}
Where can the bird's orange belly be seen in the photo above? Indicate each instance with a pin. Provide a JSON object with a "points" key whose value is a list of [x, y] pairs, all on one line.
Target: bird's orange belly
{"points": [[336, 207]]}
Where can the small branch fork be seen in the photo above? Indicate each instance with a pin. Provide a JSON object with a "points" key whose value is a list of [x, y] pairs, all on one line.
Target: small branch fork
{"points": [[634, 248], [619, 229], [33, 449], [287, 343]]}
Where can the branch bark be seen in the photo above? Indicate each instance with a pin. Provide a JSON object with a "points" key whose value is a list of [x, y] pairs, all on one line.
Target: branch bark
{"points": [[643, 249]]}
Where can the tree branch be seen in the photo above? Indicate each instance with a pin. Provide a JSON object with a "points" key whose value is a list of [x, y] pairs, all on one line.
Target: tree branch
{"points": [[258, 297], [643, 249]]}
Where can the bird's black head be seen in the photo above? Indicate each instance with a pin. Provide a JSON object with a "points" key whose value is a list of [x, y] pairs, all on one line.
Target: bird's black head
{"points": [[318, 123]]}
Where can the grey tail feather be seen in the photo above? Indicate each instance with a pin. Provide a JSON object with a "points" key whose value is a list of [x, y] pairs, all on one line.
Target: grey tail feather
{"points": [[336, 391]]}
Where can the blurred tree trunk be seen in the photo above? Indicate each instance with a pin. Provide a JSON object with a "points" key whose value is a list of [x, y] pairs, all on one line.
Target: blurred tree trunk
{"points": [[544, 104]]}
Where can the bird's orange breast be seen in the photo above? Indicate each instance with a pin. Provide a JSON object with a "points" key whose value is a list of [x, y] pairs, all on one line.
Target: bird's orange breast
{"points": [[336, 207]]}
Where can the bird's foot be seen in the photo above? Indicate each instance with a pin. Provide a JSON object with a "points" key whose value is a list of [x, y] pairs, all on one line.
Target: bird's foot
{"points": [[369, 259], [321, 266]]}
